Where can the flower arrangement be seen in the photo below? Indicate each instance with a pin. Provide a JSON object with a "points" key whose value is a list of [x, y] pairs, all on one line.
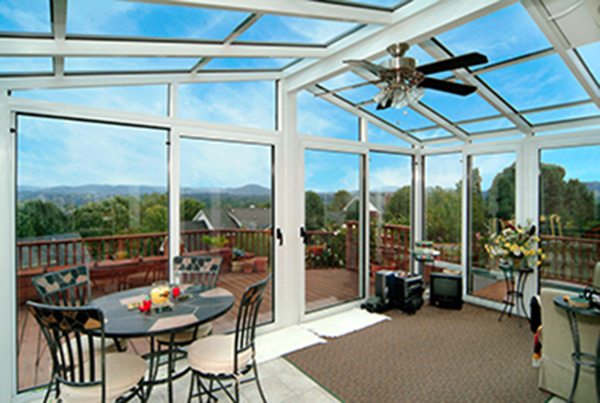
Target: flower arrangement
{"points": [[515, 243]]}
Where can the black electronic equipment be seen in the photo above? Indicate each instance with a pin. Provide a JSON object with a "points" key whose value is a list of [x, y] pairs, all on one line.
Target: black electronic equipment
{"points": [[445, 290], [384, 285], [408, 292]]}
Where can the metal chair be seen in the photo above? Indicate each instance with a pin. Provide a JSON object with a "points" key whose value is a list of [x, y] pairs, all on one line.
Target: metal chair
{"points": [[222, 357], [201, 273], [73, 335]]}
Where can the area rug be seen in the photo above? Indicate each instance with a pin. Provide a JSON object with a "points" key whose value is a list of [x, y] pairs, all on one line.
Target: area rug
{"points": [[281, 342], [344, 323]]}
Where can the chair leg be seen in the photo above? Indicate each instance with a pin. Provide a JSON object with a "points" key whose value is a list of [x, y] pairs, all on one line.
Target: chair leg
{"points": [[260, 390], [193, 376], [52, 379]]}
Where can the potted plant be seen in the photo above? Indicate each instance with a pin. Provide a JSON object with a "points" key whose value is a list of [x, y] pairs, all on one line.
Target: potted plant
{"points": [[214, 242], [260, 264], [238, 258]]}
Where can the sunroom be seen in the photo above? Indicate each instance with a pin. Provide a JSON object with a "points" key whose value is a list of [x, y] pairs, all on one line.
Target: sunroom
{"points": [[318, 141]]}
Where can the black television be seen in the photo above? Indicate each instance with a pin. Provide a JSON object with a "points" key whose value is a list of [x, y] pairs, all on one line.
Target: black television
{"points": [[445, 290]]}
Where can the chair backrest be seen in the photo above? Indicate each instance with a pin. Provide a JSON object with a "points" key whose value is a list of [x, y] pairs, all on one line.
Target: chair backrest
{"points": [[68, 333], [246, 321], [202, 271], [67, 287]]}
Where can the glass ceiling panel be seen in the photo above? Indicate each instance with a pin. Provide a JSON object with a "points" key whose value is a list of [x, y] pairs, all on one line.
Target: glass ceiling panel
{"points": [[456, 107], [380, 136], [388, 4], [591, 56], [25, 16], [247, 63], [275, 28], [405, 118], [537, 83], [437, 133], [73, 64], [111, 17], [20, 65], [557, 115], [321, 118], [488, 125], [502, 35]]}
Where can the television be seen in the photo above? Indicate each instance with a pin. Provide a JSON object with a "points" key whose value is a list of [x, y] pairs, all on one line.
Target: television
{"points": [[445, 290]]}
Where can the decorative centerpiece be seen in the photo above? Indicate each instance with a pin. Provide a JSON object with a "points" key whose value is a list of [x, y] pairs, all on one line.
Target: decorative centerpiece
{"points": [[515, 245], [161, 297]]}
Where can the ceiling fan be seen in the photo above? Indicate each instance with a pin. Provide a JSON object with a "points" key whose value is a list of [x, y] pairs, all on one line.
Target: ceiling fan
{"points": [[404, 81]]}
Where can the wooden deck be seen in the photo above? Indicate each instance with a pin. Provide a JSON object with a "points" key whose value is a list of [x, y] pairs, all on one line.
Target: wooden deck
{"points": [[324, 287]]}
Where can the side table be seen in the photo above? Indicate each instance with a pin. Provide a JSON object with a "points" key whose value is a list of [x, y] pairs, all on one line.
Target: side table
{"points": [[579, 357], [514, 289]]}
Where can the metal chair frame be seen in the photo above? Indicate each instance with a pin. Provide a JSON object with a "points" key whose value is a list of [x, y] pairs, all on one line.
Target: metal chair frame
{"points": [[244, 340], [67, 287]]}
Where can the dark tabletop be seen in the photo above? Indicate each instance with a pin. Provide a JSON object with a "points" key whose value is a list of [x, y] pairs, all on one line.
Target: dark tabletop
{"points": [[559, 301], [198, 309]]}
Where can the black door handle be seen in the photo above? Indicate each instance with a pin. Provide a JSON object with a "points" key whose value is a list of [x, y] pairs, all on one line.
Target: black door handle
{"points": [[279, 236], [303, 234]]}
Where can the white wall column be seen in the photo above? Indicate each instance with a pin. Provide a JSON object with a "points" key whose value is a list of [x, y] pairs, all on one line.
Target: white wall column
{"points": [[173, 175]]}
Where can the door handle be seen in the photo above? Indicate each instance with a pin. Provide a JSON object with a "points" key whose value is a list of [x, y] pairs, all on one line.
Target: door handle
{"points": [[303, 235], [279, 236]]}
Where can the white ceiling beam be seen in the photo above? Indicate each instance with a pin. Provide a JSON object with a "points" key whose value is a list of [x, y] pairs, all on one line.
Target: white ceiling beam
{"points": [[129, 48], [347, 106], [567, 124], [413, 23], [438, 53], [293, 8], [540, 15], [59, 29], [111, 80], [440, 120]]}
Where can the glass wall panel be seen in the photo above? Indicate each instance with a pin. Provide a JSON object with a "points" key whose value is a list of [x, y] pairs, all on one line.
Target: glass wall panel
{"points": [[332, 228], [318, 117], [245, 103], [491, 200], [390, 212], [87, 194], [443, 207], [226, 211], [570, 213], [380, 136]]}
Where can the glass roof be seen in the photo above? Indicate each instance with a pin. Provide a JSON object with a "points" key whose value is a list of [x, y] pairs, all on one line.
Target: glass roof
{"points": [[505, 34], [387, 4], [556, 115], [77, 64], [457, 107], [112, 17], [380, 136], [21, 65], [275, 28], [25, 16], [591, 57], [247, 63], [405, 118], [487, 125]]}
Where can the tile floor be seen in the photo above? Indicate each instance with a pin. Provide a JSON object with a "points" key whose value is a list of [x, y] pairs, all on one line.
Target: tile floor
{"points": [[281, 381]]}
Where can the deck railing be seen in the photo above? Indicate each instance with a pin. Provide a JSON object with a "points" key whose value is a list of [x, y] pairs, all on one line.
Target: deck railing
{"points": [[569, 259]]}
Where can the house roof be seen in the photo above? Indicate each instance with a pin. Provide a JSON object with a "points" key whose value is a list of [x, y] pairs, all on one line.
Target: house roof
{"points": [[243, 217]]}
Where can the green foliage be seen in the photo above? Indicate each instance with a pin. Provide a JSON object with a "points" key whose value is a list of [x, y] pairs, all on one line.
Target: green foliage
{"points": [[501, 199], [397, 210], [190, 207], [443, 215], [218, 241], [315, 211], [155, 219], [340, 199], [39, 217]]}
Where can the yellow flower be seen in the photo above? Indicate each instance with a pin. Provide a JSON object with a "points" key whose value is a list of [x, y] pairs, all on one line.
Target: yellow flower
{"points": [[543, 256], [539, 263]]}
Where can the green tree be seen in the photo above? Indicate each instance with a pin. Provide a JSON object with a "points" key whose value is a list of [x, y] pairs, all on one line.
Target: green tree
{"points": [[397, 209], [39, 218], [314, 211], [443, 214], [340, 199], [501, 198], [190, 207], [155, 219]]}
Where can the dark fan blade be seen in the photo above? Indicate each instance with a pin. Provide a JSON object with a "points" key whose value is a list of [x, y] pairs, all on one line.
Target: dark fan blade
{"points": [[447, 86], [470, 59], [366, 65]]}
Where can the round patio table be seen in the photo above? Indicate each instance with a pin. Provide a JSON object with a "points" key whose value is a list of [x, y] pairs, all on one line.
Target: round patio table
{"points": [[191, 309]]}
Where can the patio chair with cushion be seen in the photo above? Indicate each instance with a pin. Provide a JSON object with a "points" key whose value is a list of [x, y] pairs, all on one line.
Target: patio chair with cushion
{"points": [[199, 273], [82, 375], [229, 356]]}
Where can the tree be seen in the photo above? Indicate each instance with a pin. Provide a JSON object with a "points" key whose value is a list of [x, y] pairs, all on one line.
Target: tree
{"points": [[501, 198], [443, 214], [189, 208], [155, 219], [397, 209], [314, 211], [39, 217], [341, 198]]}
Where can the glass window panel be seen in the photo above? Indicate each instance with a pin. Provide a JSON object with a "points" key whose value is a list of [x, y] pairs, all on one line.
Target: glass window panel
{"points": [[591, 56], [380, 136], [151, 99], [80, 64], [25, 16], [226, 197], [354, 95], [274, 28], [19, 65], [405, 118], [569, 213], [247, 63], [389, 4], [87, 193], [492, 198], [574, 112], [443, 209], [390, 196], [321, 118], [488, 125], [456, 107], [332, 206], [111, 17], [249, 103], [541, 82], [502, 35], [437, 133]]}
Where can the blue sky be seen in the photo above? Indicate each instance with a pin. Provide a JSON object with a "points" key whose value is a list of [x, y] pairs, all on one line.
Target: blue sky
{"points": [[503, 35]]}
